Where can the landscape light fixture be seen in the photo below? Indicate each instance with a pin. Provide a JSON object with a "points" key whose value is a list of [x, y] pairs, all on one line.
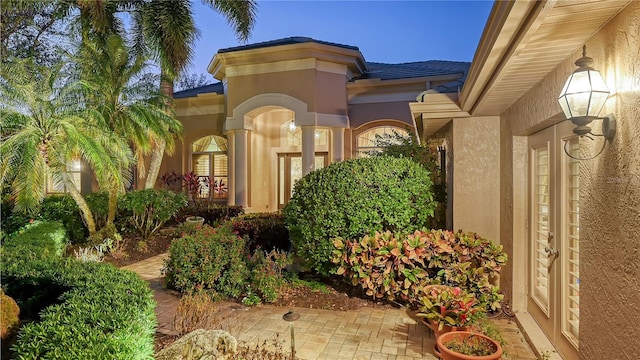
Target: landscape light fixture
{"points": [[583, 97], [290, 317]]}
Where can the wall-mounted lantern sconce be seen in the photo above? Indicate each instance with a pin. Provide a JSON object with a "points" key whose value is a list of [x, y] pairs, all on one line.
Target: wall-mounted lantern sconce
{"points": [[583, 97]]}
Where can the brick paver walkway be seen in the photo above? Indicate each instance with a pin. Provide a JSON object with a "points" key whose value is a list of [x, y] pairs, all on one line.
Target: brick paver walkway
{"points": [[372, 334]]}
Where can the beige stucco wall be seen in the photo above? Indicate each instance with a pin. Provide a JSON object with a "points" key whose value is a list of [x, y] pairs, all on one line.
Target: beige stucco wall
{"points": [[323, 92], [609, 189], [476, 180], [360, 114]]}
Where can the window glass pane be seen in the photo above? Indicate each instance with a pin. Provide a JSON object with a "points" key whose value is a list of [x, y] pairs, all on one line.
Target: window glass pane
{"points": [[321, 136], [294, 138], [220, 165], [368, 140], [210, 143], [201, 165]]}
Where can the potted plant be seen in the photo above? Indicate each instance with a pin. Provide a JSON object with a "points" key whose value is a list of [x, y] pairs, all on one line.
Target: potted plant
{"points": [[467, 345], [448, 308]]}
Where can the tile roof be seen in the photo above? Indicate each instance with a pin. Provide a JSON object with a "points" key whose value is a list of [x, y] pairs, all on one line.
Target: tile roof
{"points": [[417, 69], [211, 88], [375, 70], [285, 41]]}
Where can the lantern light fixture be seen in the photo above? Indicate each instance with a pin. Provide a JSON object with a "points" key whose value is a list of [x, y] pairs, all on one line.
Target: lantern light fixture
{"points": [[292, 125], [583, 97]]}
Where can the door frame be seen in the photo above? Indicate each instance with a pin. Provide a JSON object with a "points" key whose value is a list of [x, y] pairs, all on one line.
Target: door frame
{"points": [[550, 321], [287, 172]]}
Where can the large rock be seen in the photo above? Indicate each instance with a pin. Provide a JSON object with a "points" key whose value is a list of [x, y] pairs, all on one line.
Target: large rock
{"points": [[9, 312], [201, 345]]}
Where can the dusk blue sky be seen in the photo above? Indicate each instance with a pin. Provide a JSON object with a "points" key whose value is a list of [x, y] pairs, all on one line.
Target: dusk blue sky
{"points": [[385, 31]]}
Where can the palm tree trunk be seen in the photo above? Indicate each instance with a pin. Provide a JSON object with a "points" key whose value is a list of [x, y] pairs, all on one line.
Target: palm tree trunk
{"points": [[166, 89], [113, 205], [85, 211]]}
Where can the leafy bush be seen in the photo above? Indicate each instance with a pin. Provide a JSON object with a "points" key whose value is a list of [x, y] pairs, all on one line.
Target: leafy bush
{"points": [[208, 259], [213, 213], [99, 205], [40, 238], [151, 208], [216, 259], [425, 154], [354, 198], [266, 273], [400, 266], [266, 231], [12, 221], [64, 209], [81, 310]]}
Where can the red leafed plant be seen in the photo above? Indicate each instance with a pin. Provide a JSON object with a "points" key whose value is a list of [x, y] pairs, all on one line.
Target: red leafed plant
{"points": [[451, 306]]}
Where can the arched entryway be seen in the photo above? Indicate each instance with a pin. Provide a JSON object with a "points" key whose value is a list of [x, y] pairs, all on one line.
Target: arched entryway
{"points": [[273, 141]]}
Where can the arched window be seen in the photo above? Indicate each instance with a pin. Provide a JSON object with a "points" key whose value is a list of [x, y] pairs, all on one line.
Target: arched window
{"points": [[209, 163], [369, 141]]}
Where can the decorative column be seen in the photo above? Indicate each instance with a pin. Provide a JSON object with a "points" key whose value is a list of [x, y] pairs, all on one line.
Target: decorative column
{"points": [[337, 144], [231, 162], [240, 167], [308, 149]]}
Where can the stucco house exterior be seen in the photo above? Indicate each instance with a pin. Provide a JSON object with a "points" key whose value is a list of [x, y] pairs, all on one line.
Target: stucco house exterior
{"points": [[285, 107], [511, 180]]}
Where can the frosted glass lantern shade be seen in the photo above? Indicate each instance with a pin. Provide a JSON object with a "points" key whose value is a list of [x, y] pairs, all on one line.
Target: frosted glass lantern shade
{"points": [[583, 95]]}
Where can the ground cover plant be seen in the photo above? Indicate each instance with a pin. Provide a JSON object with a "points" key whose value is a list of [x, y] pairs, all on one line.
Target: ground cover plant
{"points": [[73, 309], [38, 239], [354, 198]]}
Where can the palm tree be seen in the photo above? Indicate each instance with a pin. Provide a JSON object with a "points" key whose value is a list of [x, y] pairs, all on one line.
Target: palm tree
{"points": [[118, 87], [44, 129], [169, 31]]}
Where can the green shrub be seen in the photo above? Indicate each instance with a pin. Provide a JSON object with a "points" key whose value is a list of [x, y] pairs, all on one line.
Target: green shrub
{"points": [[40, 238], [99, 205], [80, 310], [64, 209], [12, 221], [213, 214], [425, 154], [266, 273], [266, 231], [399, 266], [353, 198], [151, 208], [216, 259], [208, 259]]}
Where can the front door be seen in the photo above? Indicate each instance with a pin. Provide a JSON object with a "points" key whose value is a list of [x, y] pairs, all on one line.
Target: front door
{"points": [[554, 263], [290, 171]]}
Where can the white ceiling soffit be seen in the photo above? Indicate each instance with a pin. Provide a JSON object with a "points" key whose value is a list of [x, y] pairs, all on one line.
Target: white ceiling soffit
{"points": [[522, 42]]}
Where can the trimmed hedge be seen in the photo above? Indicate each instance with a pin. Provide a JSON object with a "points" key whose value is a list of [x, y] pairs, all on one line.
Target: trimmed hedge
{"points": [[354, 198], [80, 310], [75, 310], [40, 239], [265, 231], [208, 259]]}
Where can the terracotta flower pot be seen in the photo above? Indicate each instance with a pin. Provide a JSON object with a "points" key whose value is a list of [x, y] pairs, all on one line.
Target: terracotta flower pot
{"points": [[435, 327], [448, 354]]}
